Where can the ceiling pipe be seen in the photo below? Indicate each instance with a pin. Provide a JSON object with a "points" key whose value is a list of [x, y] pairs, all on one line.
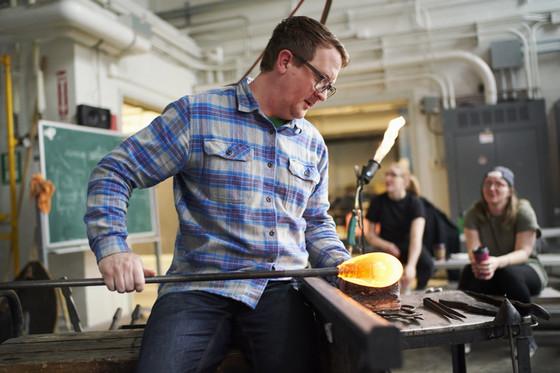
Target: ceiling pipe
{"points": [[41, 20], [451, 87], [95, 26], [160, 28], [534, 54], [526, 61], [477, 63], [442, 84]]}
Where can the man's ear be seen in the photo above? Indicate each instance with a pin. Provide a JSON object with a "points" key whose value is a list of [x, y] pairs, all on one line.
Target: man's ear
{"points": [[284, 58]]}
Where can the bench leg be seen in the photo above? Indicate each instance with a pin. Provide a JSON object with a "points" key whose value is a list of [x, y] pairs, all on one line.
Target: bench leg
{"points": [[523, 356], [458, 358]]}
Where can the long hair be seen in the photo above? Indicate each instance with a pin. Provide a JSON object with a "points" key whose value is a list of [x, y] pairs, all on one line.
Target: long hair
{"points": [[511, 210]]}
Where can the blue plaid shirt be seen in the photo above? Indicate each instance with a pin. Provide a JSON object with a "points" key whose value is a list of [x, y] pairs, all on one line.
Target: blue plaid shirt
{"points": [[249, 196]]}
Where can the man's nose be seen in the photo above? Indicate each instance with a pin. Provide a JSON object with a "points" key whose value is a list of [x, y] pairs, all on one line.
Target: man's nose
{"points": [[322, 95]]}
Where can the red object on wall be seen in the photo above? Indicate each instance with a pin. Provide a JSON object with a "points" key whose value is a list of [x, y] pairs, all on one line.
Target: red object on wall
{"points": [[62, 94], [113, 122]]}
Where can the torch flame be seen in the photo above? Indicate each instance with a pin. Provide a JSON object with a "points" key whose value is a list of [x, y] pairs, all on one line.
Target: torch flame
{"points": [[389, 138], [376, 270]]}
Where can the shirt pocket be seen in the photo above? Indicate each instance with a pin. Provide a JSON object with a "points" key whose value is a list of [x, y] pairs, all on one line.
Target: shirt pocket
{"points": [[227, 171], [303, 177]]}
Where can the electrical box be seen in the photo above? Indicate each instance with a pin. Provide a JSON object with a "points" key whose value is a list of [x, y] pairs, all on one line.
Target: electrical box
{"points": [[506, 54], [512, 134]]}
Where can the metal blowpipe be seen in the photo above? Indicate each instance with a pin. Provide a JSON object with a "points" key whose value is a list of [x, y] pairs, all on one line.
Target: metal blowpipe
{"points": [[373, 269]]}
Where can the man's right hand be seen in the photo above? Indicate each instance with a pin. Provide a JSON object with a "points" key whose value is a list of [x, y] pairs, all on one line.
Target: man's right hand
{"points": [[124, 272]]}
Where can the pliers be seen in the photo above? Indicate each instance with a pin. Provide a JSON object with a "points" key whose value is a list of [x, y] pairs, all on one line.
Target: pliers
{"points": [[407, 314]]}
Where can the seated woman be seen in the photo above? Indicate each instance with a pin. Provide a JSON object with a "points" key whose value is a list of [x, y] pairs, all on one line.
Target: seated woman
{"points": [[399, 214], [508, 227]]}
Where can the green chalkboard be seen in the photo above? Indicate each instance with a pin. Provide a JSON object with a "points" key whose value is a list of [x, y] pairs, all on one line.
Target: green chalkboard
{"points": [[68, 154]]}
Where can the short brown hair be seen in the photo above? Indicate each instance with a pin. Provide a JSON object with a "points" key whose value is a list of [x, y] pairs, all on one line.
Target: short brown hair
{"points": [[301, 35]]}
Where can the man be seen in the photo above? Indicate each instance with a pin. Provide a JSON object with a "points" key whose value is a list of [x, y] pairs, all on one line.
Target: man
{"points": [[250, 182]]}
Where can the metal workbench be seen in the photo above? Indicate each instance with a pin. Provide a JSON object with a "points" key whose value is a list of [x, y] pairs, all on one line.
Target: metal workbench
{"points": [[361, 341]]}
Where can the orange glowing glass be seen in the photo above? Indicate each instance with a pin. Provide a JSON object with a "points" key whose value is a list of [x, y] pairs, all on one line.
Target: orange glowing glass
{"points": [[376, 270]]}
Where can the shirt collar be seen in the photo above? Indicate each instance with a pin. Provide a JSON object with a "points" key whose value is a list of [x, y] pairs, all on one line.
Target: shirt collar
{"points": [[246, 102]]}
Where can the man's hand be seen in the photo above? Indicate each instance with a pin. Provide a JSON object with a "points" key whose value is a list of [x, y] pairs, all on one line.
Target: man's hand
{"points": [[124, 272]]}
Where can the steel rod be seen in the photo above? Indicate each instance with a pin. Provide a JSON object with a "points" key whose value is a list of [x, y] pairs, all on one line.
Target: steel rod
{"points": [[311, 272]]}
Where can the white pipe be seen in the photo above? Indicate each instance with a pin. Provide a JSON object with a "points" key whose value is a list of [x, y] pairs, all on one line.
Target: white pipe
{"points": [[526, 61], [530, 53], [158, 26], [168, 40], [503, 83], [79, 14], [481, 68], [441, 83], [451, 90], [41, 95], [513, 83], [535, 56]]}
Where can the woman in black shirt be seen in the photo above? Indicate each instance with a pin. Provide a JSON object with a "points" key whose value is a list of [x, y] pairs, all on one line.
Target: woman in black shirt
{"points": [[399, 215]]}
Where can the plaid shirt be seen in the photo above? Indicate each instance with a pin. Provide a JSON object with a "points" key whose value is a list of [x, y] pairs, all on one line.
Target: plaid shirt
{"points": [[249, 196]]}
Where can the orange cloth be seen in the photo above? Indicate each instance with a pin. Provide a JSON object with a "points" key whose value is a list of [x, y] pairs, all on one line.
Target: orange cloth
{"points": [[42, 190]]}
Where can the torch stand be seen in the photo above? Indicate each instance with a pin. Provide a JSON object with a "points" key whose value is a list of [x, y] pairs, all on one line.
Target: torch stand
{"points": [[357, 219]]}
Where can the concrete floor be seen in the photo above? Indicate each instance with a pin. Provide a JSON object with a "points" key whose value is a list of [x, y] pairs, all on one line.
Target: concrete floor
{"points": [[485, 357]]}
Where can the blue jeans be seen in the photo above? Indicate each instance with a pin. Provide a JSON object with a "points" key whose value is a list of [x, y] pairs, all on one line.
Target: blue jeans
{"points": [[193, 331]]}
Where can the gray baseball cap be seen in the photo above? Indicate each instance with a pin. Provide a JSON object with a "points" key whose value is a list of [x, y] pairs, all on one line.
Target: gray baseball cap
{"points": [[504, 172]]}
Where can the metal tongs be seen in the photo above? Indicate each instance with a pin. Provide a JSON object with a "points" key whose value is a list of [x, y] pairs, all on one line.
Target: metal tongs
{"points": [[442, 310], [523, 308], [463, 306]]}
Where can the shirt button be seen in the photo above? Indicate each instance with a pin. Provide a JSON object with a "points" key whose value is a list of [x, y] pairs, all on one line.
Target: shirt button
{"points": [[269, 164], [268, 199], [306, 172], [228, 152], [271, 233], [271, 131]]}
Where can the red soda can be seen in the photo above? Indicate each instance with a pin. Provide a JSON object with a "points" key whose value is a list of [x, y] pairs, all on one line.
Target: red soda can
{"points": [[481, 254]]}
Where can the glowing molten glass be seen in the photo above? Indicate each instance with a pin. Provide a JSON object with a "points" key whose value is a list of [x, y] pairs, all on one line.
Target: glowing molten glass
{"points": [[376, 270]]}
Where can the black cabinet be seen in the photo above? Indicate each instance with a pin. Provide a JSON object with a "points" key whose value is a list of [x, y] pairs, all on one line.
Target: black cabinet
{"points": [[512, 134]]}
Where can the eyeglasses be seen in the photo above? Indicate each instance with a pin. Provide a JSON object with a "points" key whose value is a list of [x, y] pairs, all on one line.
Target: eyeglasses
{"points": [[323, 82]]}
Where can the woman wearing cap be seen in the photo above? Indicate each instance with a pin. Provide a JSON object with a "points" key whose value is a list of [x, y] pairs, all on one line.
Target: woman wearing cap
{"points": [[508, 227]]}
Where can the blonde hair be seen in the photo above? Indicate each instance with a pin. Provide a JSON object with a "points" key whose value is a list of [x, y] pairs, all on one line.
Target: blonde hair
{"points": [[411, 182]]}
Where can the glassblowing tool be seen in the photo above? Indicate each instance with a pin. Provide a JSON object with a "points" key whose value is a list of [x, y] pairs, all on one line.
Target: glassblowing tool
{"points": [[523, 308], [373, 270], [446, 312]]}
